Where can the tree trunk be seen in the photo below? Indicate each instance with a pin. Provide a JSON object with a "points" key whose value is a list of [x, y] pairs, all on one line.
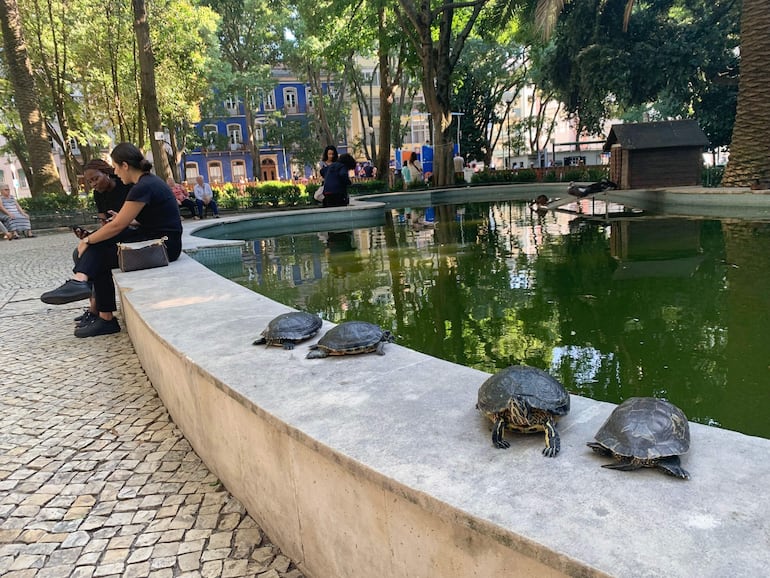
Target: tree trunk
{"points": [[386, 99], [45, 177], [316, 89], [251, 139], [149, 94], [438, 55], [750, 148]]}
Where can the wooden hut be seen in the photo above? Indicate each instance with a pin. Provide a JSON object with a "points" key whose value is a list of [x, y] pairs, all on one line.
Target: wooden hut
{"points": [[656, 154]]}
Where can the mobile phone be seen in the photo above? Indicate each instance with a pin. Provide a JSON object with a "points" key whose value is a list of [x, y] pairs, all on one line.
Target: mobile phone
{"points": [[80, 231]]}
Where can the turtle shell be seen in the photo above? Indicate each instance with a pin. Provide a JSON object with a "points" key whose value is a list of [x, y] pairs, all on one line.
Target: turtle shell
{"points": [[351, 337], [539, 389], [645, 428], [290, 328]]}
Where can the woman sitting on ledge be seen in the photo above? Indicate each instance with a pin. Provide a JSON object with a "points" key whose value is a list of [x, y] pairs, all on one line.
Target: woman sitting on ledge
{"points": [[153, 205]]}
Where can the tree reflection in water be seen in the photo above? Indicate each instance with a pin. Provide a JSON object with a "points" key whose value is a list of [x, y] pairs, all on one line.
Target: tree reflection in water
{"points": [[674, 308]]}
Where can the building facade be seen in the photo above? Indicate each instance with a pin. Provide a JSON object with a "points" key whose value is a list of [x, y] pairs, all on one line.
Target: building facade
{"points": [[225, 156]]}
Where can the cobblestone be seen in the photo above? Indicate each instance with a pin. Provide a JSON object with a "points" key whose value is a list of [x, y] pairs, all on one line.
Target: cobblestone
{"points": [[95, 478]]}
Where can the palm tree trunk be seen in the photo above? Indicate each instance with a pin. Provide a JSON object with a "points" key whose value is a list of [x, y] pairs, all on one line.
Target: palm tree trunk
{"points": [[45, 177], [750, 147]]}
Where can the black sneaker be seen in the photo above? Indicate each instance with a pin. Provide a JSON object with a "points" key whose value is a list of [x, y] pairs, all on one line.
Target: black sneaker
{"points": [[70, 291], [86, 319], [86, 313], [98, 327]]}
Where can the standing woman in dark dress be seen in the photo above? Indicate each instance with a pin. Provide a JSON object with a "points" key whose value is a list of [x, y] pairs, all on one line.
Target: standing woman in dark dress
{"points": [[151, 203], [337, 180]]}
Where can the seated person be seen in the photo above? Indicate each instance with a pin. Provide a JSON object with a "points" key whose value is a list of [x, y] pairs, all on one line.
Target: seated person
{"points": [[7, 235], [204, 197], [182, 197], [109, 194], [151, 204], [16, 219]]}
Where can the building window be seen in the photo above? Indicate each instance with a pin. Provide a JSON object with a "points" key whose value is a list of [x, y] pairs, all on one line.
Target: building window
{"points": [[235, 136], [210, 134], [259, 132], [231, 105], [191, 172], [269, 100], [309, 98], [239, 171], [215, 172], [290, 100], [269, 169]]}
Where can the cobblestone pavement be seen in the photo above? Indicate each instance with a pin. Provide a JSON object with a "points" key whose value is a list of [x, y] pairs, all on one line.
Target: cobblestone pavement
{"points": [[95, 479]]}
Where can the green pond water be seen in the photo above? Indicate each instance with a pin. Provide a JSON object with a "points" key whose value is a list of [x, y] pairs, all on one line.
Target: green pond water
{"points": [[632, 306]]}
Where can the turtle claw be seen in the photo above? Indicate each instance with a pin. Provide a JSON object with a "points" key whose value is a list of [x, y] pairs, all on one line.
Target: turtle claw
{"points": [[550, 452], [497, 435]]}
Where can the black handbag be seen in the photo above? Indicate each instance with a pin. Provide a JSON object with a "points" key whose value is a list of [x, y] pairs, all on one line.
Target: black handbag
{"points": [[142, 255]]}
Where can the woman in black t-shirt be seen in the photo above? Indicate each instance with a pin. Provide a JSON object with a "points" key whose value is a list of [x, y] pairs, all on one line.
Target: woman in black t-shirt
{"points": [[151, 203]]}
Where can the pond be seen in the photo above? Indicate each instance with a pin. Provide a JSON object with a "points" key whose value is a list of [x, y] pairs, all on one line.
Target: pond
{"points": [[614, 307]]}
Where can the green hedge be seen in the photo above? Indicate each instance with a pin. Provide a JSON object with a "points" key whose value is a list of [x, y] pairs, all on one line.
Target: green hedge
{"points": [[259, 196], [505, 176], [51, 203]]}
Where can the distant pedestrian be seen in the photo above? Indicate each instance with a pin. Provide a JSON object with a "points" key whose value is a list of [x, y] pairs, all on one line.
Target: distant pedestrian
{"points": [[337, 180]]}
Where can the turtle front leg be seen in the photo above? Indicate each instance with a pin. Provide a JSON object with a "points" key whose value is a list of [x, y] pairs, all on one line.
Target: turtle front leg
{"points": [[288, 345], [552, 439], [497, 435]]}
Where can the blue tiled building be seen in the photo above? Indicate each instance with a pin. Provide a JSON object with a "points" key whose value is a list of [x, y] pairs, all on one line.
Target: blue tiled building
{"points": [[227, 157]]}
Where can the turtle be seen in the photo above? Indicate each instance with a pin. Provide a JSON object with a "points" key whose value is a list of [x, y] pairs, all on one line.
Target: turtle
{"points": [[524, 399], [290, 328], [351, 337], [645, 432]]}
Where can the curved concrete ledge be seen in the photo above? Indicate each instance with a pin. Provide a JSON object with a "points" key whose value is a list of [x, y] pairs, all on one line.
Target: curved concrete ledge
{"points": [[381, 466]]}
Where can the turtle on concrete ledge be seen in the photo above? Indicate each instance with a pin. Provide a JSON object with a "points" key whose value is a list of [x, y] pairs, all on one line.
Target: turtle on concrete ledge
{"points": [[351, 337], [645, 432], [289, 329], [524, 399]]}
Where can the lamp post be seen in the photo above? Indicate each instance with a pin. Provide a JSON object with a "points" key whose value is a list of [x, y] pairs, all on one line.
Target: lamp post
{"points": [[508, 99]]}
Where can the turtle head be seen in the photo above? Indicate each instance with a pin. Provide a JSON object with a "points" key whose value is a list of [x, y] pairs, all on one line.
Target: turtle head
{"points": [[388, 336]]}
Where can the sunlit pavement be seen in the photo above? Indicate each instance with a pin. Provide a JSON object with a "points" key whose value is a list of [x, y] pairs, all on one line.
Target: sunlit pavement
{"points": [[95, 479]]}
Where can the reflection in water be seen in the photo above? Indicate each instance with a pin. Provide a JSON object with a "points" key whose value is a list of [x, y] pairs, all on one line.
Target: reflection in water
{"points": [[639, 306]]}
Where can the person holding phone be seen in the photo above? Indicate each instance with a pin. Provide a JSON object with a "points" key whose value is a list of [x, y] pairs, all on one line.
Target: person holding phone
{"points": [[109, 194]]}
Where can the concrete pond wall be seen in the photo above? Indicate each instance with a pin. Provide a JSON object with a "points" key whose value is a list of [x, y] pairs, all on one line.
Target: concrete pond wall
{"points": [[380, 466]]}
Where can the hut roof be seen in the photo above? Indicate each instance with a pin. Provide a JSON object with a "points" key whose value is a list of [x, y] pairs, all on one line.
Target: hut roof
{"points": [[657, 135]]}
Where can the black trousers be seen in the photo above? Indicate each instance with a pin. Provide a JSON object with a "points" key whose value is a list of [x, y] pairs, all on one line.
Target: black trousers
{"points": [[191, 206], [98, 261], [336, 200]]}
